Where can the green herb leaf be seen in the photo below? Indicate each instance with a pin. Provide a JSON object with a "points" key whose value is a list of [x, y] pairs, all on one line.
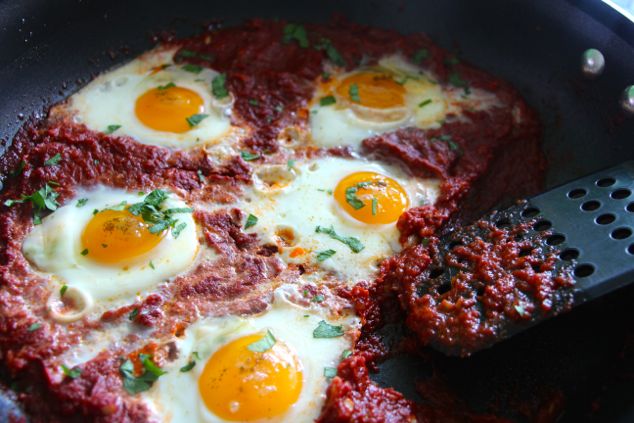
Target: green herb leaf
{"points": [[253, 102], [81, 202], [133, 314], [290, 164], [425, 102], [263, 344], [295, 32], [151, 211], [331, 52], [251, 221], [330, 372], [166, 86], [345, 354], [325, 76], [201, 177], [186, 53], [420, 55], [63, 290], [318, 298], [134, 384], [520, 310], [218, 86], [456, 80], [71, 373], [352, 199], [354, 93], [326, 330], [194, 120], [325, 255], [452, 60], [53, 161], [375, 204], [176, 231], [34, 327], [327, 101], [187, 367], [151, 265], [352, 242], [19, 169], [109, 130], [246, 156], [424, 242], [192, 68]]}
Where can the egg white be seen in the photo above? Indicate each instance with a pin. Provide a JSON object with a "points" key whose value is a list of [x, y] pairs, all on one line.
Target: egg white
{"points": [[175, 397], [110, 100], [54, 247]]}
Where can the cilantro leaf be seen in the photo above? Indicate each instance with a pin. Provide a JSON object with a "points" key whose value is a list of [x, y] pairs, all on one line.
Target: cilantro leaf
{"points": [[71, 373], [327, 101], [352, 199], [263, 344], [166, 86], [42, 199], [345, 354], [295, 32], [218, 86], [53, 161], [19, 169], [201, 177], [318, 298], [375, 204], [111, 128], [352, 242], [325, 255], [35, 326], [134, 384], [326, 330], [133, 314], [420, 55], [63, 290], [330, 372], [456, 80], [187, 367], [425, 102], [151, 211], [84, 252], [192, 68], [246, 156], [331, 52], [252, 220], [290, 164], [194, 120], [81, 202], [354, 93]]}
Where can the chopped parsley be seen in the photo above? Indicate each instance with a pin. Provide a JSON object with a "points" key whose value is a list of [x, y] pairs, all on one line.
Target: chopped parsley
{"points": [[254, 102], [187, 367], [187, 53], [520, 310], [71, 373], [455, 80], [42, 199], [318, 298], [352, 242], [109, 130], [252, 220], [326, 330], [192, 68], [327, 101], [133, 314], [53, 161], [331, 52], [63, 290], [420, 55], [354, 93], [35, 326], [263, 344], [375, 204], [290, 164], [330, 372], [246, 156], [325, 76], [218, 87], [450, 142], [84, 252], [134, 384], [81, 202], [166, 86], [161, 219], [151, 265], [194, 120], [325, 255], [351, 195], [201, 177], [425, 102], [295, 32], [424, 242], [19, 169], [345, 354]]}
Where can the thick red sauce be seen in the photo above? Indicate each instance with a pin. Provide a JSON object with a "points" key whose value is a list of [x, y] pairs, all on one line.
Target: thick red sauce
{"points": [[280, 77]]}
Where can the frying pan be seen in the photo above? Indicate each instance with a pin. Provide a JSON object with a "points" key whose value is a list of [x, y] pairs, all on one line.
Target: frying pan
{"points": [[50, 49]]}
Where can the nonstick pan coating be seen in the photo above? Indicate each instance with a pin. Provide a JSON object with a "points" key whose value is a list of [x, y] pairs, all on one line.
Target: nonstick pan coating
{"points": [[51, 48]]}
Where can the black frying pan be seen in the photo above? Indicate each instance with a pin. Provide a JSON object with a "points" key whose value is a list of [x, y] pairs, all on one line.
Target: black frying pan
{"points": [[48, 49]]}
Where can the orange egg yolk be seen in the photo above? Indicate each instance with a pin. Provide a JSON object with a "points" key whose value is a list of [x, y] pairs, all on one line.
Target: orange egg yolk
{"points": [[374, 90], [116, 236], [371, 197], [167, 109], [238, 384]]}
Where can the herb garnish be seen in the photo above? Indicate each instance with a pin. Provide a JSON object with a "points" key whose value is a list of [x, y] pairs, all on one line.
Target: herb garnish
{"points": [[420, 55], [81, 202], [133, 314], [326, 330], [452, 60], [352, 242], [455, 80], [325, 255], [71, 373], [187, 367], [254, 102], [218, 87], [246, 156], [166, 86], [327, 101], [43, 199], [295, 32], [332, 53], [194, 120], [290, 164], [425, 102], [84, 252], [151, 373], [375, 204], [330, 372], [151, 265], [318, 298], [35, 326], [53, 161], [354, 93], [450, 143], [263, 344], [345, 354], [192, 68], [18, 170], [63, 290], [351, 195], [150, 210], [109, 130], [252, 220]]}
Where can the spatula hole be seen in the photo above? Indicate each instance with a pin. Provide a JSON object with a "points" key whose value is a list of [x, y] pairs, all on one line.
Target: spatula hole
{"points": [[555, 239], [620, 194], [630, 207], [569, 254], [621, 233], [525, 252], [577, 193], [542, 225], [584, 270], [435, 272], [530, 212], [454, 244], [503, 223], [630, 249], [605, 182], [605, 219], [590, 205], [444, 288]]}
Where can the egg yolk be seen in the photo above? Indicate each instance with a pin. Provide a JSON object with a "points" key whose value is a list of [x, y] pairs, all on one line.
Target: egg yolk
{"points": [[238, 384], [371, 197], [167, 109], [374, 90], [116, 236]]}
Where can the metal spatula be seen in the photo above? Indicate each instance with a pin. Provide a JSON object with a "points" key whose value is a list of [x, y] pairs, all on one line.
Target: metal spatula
{"points": [[576, 238]]}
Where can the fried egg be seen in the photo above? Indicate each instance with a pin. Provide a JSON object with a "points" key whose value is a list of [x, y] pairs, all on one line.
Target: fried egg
{"points": [[101, 251], [154, 101], [274, 366], [351, 106], [335, 213]]}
